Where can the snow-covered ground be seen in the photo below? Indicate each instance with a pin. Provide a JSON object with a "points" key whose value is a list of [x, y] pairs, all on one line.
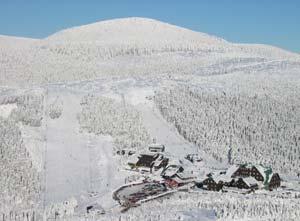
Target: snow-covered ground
{"points": [[69, 101], [77, 164], [67, 154], [6, 109], [83, 165]]}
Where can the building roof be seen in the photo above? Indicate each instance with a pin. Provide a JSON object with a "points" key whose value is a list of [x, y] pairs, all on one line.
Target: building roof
{"points": [[222, 177], [231, 170], [95, 206], [184, 175], [250, 181], [171, 171], [270, 177], [263, 170], [179, 180], [156, 145], [145, 160]]}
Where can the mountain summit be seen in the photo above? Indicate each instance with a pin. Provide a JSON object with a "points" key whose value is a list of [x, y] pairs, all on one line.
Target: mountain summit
{"points": [[153, 35], [133, 31]]}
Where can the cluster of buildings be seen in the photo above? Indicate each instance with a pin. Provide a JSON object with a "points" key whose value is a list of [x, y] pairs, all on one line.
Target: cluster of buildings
{"points": [[166, 174], [163, 176], [244, 176], [163, 168]]}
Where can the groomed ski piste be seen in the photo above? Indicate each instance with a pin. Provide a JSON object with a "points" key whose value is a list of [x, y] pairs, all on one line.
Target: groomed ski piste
{"points": [[69, 102]]}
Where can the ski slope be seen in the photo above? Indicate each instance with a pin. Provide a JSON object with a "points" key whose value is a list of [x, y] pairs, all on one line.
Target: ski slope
{"points": [[67, 154], [76, 164]]}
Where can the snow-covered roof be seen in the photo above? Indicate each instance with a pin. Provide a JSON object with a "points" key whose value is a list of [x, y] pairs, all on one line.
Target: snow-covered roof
{"points": [[185, 175], [231, 170], [222, 177], [250, 181], [178, 179], [96, 207], [183, 178], [156, 145], [170, 171], [269, 178], [264, 171], [133, 158], [261, 171]]}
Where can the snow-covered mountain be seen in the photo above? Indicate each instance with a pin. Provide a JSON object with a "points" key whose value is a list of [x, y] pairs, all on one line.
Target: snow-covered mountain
{"points": [[153, 34], [138, 46], [71, 101]]}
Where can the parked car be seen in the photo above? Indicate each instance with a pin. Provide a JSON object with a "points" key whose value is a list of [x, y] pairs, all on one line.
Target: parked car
{"points": [[194, 158], [126, 152]]}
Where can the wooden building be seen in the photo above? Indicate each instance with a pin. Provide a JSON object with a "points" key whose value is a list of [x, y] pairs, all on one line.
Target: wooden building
{"points": [[145, 160], [150, 162], [242, 171], [228, 183], [210, 184], [274, 182], [260, 173], [245, 176], [161, 163]]}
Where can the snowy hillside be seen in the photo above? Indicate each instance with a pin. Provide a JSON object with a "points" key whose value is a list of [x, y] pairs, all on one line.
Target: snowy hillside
{"points": [[15, 42], [138, 46], [252, 127], [79, 105]]}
